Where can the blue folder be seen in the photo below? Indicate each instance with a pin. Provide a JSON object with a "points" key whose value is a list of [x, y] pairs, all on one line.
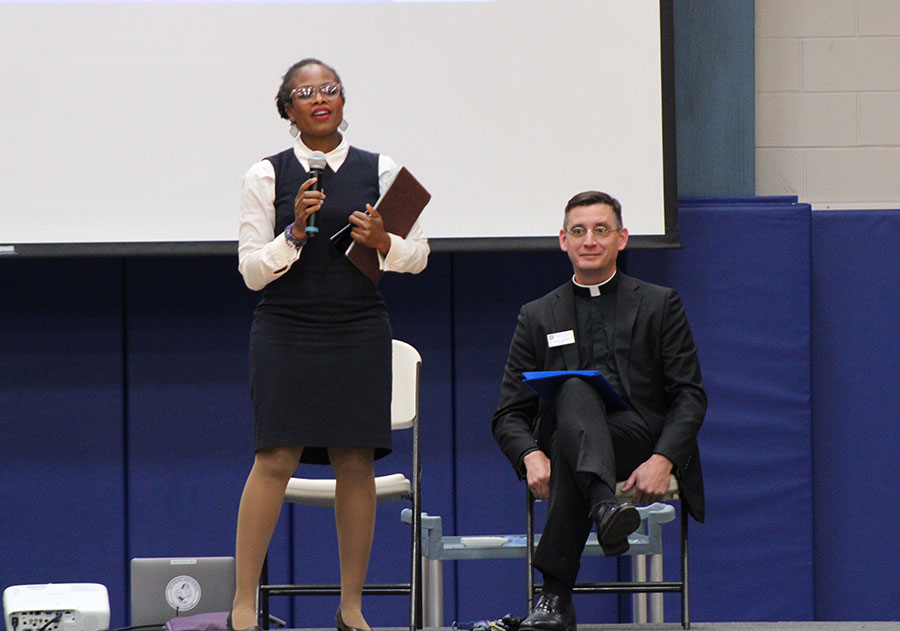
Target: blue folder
{"points": [[545, 383]]}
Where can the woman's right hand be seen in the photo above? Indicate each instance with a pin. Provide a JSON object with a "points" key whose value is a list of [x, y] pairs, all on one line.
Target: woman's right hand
{"points": [[306, 203]]}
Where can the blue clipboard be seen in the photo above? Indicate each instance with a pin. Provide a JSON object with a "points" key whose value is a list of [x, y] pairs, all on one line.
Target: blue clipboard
{"points": [[545, 383]]}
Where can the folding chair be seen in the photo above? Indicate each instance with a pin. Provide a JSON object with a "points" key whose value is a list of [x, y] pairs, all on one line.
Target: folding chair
{"points": [[655, 586]]}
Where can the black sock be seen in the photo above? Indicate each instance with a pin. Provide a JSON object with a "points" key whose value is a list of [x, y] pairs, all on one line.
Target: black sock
{"points": [[553, 585], [599, 492]]}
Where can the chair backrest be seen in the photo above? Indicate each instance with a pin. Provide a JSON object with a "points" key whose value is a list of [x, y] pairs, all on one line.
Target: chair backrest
{"points": [[405, 385]]}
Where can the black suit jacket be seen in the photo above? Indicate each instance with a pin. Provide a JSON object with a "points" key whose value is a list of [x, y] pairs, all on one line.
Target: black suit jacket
{"points": [[657, 363]]}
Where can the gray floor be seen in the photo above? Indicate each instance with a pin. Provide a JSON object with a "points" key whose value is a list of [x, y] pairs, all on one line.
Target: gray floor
{"points": [[722, 626], [751, 626]]}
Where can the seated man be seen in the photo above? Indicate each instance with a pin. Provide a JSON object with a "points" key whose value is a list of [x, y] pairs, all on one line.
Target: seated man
{"points": [[571, 449]]}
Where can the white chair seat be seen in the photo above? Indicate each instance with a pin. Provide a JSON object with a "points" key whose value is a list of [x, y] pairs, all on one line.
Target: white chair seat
{"points": [[388, 488]]}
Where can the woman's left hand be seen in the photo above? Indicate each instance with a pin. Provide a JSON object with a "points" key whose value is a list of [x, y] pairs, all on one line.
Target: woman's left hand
{"points": [[368, 230]]}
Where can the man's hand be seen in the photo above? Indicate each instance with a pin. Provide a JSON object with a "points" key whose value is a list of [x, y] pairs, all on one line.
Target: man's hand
{"points": [[650, 480], [537, 474]]}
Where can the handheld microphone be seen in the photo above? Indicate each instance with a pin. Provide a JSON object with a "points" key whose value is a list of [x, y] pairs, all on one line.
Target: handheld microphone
{"points": [[317, 164]]}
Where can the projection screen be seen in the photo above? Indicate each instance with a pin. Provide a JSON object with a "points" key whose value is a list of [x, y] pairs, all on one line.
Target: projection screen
{"points": [[127, 126]]}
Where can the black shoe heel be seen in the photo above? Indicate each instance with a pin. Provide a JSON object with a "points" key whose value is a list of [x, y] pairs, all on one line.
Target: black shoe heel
{"points": [[339, 623]]}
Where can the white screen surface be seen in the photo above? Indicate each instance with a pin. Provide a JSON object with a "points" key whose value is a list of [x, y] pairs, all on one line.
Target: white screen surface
{"points": [[134, 122]]}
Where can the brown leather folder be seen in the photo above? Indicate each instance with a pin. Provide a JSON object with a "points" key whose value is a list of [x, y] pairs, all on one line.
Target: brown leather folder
{"points": [[399, 208]]}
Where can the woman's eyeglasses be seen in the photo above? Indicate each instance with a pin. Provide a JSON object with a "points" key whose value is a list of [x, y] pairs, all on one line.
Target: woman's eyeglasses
{"points": [[327, 90]]}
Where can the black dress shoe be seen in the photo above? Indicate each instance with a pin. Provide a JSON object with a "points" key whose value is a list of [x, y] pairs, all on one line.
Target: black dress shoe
{"points": [[339, 623], [230, 626], [614, 523], [550, 613]]}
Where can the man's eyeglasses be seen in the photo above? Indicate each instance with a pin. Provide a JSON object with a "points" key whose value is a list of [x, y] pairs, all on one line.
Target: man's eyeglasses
{"points": [[600, 231], [327, 90]]}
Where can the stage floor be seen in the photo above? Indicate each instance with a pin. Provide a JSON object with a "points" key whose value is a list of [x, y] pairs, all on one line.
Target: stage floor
{"points": [[712, 626]]}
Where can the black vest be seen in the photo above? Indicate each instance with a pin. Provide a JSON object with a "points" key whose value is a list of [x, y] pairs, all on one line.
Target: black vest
{"points": [[323, 282]]}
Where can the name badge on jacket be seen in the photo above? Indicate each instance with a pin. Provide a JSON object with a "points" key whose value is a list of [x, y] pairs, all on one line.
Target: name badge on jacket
{"points": [[561, 338]]}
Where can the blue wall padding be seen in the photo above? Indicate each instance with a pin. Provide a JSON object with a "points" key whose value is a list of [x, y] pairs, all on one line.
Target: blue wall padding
{"points": [[743, 275], [856, 407], [189, 418], [189, 429], [62, 503], [125, 410]]}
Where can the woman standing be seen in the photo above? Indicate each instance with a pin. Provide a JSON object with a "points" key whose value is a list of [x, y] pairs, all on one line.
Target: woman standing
{"points": [[320, 343]]}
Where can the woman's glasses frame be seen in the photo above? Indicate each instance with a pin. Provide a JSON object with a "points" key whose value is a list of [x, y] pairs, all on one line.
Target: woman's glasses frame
{"points": [[329, 91]]}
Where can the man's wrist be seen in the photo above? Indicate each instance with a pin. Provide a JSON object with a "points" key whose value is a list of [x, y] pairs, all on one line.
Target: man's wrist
{"points": [[663, 457], [527, 452], [662, 462]]}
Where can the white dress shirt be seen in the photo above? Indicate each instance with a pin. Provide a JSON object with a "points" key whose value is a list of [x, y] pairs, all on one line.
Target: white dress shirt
{"points": [[264, 256]]}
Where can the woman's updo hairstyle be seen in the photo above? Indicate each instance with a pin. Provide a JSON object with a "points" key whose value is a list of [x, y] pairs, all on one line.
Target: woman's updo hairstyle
{"points": [[284, 92]]}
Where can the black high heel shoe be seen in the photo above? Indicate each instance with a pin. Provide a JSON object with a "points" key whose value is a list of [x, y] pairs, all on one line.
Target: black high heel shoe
{"points": [[339, 623], [230, 626]]}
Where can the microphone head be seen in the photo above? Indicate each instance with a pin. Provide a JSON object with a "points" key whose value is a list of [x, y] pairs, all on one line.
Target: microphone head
{"points": [[317, 160]]}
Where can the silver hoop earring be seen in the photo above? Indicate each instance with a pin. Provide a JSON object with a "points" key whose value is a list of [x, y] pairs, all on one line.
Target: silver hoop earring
{"points": [[294, 130], [343, 126]]}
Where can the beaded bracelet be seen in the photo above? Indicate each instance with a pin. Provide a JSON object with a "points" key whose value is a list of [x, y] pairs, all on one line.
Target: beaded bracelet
{"points": [[294, 241]]}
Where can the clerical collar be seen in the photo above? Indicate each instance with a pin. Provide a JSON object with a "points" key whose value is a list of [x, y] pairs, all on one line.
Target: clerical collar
{"points": [[600, 289]]}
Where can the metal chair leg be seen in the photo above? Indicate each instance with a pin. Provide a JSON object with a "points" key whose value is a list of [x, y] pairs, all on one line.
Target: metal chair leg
{"points": [[263, 596], [685, 600], [529, 544]]}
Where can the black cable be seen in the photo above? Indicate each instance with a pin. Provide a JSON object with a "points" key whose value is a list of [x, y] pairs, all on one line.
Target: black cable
{"points": [[51, 621]]}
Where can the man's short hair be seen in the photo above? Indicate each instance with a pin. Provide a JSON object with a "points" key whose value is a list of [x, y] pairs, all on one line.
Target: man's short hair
{"points": [[590, 198]]}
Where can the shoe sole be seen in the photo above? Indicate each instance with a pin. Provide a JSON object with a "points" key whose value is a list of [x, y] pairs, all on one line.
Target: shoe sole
{"points": [[614, 539], [540, 627], [545, 628]]}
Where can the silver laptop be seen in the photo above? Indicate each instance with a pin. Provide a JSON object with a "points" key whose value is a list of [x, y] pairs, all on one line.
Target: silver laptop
{"points": [[165, 588]]}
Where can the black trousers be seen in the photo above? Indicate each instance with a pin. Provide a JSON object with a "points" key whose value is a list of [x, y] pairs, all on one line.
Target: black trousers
{"points": [[586, 443]]}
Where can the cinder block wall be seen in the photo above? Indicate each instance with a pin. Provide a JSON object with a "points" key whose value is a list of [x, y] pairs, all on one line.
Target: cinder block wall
{"points": [[828, 101]]}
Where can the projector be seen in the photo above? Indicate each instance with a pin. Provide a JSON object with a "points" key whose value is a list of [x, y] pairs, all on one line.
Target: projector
{"points": [[56, 607]]}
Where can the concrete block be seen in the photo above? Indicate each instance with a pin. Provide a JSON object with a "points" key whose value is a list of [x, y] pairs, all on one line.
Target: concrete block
{"points": [[878, 17], [853, 174], [779, 64], [780, 172], [805, 120], [879, 118], [805, 18], [861, 64]]}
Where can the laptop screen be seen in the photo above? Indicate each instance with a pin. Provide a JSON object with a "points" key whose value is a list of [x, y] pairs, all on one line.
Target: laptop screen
{"points": [[165, 588]]}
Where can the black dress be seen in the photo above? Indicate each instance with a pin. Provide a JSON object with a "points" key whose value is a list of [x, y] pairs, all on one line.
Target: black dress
{"points": [[320, 344]]}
